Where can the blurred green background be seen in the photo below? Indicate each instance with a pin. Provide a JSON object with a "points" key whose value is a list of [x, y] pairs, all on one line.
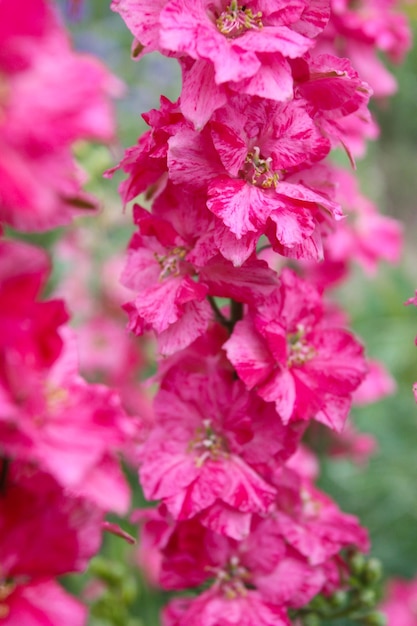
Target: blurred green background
{"points": [[384, 493]]}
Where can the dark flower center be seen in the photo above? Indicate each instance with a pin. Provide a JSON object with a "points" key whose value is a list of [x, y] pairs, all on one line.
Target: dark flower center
{"points": [[258, 171]]}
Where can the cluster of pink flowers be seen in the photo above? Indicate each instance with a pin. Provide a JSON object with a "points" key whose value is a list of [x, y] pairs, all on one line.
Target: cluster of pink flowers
{"points": [[242, 227], [50, 97], [60, 436], [238, 203]]}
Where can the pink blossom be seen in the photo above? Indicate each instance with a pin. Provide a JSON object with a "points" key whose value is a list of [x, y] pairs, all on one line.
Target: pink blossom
{"points": [[45, 531], [261, 568], [211, 610], [337, 100], [399, 607], [171, 270], [311, 522], [243, 48], [246, 158], [39, 604], [378, 384], [168, 300], [30, 337], [193, 458], [287, 353], [69, 428], [360, 32], [356, 446], [412, 300], [68, 97], [365, 236]]}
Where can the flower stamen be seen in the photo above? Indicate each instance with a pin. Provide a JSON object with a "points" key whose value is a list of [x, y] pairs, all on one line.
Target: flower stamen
{"points": [[237, 19], [299, 351], [170, 263], [207, 443], [258, 171]]}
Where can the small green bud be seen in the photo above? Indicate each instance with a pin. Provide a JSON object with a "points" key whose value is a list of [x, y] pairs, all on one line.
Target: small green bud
{"points": [[338, 599], [110, 572], [311, 620], [129, 590], [357, 564], [367, 598], [375, 619], [372, 572]]}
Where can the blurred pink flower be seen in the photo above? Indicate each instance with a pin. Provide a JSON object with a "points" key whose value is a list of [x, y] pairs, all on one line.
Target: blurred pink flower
{"points": [[67, 95]]}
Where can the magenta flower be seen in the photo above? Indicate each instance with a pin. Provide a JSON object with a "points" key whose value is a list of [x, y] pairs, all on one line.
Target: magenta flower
{"points": [[68, 428], [399, 606], [172, 268], [311, 522], [68, 98], [44, 530], [288, 354], [248, 609], [250, 159], [192, 459], [261, 575], [40, 604], [360, 32], [30, 336], [243, 47]]}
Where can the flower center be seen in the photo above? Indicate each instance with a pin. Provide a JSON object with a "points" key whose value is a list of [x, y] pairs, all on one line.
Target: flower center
{"points": [[299, 351], [232, 578], [4, 95], [170, 263], [6, 589], [258, 171], [237, 19], [207, 443]]}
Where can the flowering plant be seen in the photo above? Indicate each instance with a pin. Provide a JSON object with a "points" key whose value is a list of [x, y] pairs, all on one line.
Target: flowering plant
{"points": [[242, 226]]}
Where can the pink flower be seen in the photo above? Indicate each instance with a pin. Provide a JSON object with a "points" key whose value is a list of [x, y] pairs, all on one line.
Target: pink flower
{"points": [[249, 160], [172, 269], [287, 353], [311, 522], [69, 428], [399, 607], [364, 237], [168, 300], [39, 604], [378, 384], [261, 571], [412, 300], [242, 47], [193, 459], [44, 530], [210, 609], [30, 337], [337, 100], [360, 32], [68, 97], [356, 446]]}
